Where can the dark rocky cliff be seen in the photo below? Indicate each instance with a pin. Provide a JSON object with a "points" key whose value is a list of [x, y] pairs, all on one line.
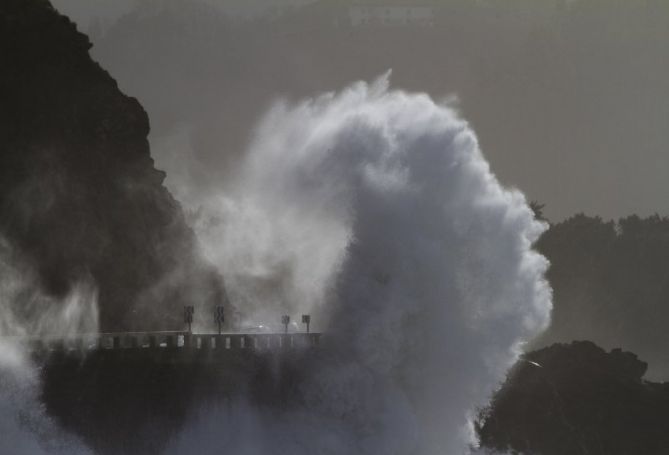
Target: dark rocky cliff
{"points": [[80, 197]]}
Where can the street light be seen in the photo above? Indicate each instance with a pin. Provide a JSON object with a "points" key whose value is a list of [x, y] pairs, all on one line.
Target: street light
{"points": [[306, 319], [188, 317], [219, 317], [285, 320]]}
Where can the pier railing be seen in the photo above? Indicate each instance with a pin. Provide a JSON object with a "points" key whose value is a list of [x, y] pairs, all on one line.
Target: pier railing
{"points": [[178, 340]]}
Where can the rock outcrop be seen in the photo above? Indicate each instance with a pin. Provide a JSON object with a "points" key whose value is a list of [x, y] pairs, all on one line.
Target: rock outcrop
{"points": [[573, 399]]}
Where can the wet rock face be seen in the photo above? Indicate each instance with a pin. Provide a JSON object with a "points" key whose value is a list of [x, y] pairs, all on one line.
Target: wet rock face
{"points": [[80, 197], [578, 399]]}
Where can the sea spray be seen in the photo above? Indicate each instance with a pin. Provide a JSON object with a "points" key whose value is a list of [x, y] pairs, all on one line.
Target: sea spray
{"points": [[374, 209], [27, 313]]}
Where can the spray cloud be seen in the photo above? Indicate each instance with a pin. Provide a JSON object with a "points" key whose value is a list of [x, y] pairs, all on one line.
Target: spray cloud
{"points": [[27, 313], [375, 209]]}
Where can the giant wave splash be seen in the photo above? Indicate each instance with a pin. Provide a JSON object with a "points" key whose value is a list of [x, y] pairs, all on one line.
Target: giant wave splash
{"points": [[376, 210]]}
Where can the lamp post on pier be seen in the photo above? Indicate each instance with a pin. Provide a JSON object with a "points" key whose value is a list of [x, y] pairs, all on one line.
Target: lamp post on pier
{"points": [[219, 317], [188, 317]]}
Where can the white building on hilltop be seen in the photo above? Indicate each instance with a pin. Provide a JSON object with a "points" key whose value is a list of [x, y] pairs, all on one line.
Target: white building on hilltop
{"points": [[390, 15]]}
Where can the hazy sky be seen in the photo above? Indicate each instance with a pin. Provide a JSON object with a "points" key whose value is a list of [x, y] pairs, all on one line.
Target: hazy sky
{"points": [[84, 12], [570, 104]]}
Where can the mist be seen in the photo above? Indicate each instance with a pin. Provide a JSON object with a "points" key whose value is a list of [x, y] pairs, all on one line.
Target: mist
{"points": [[27, 314]]}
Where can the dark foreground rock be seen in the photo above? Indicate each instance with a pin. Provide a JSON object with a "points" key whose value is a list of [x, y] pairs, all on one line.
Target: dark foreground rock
{"points": [[578, 399]]}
